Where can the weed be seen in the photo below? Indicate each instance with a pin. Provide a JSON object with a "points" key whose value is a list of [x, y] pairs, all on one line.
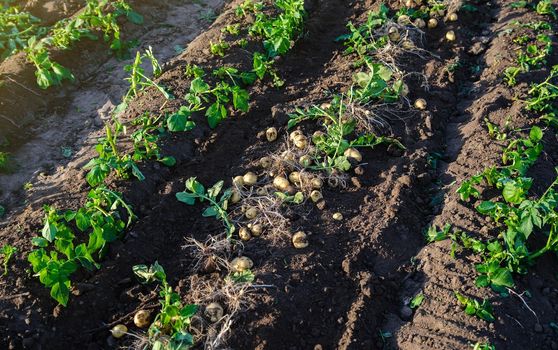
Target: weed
{"points": [[219, 48], [416, 301]]}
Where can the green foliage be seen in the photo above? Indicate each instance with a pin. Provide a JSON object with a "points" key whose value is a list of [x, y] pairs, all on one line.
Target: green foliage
{"points": [[483, 346], [16, 28], [416, 301], [218, 202], [58, 256], [169, 330], [7, 164], [543, 97], [48, 72], [139, 80], [482, 310], [433, 235], [219, 48], [7, 252]]}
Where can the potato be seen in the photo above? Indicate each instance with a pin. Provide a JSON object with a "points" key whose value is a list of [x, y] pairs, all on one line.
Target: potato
{"points": [[317, 183], [119, 331], [256, 230], [271, 134], [242, 263], [419, 23], [294, 134], [238, 180], [251, 213], [420, 104], [261, 191], [294, 177], [407, 44], [353, 153], [265, 162], [316, 196], [250, 179], [281, 183], [235, 196], [403, 20], [450, 36], [214, 312], [244, 234], [305, 160], [338, 216], [452, 17], [300, 142], [141, 318], [300, 240], [432, 23], [333, 182], [393, 34]]}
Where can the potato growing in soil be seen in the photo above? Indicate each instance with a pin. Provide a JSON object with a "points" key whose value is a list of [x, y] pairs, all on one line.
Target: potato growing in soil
{"points": [[271, 134], [432, 23], [244, 234], [256, 230], [450, 36], [281, 183], [242, 263], [119, 331], [420, 104], [317, 183], [294, 134], [353, 153], [238, 180], [265, 162], [300, 142], [214, 312], [419, 23], [407, 44], [300, 240], [403, 20], [452, 17], [338, 216], [294, 177], [393, 34], [261, 191], [251, 213], [250, 179], [305, 160], [316, 196], [141, 318], [235, 196]]}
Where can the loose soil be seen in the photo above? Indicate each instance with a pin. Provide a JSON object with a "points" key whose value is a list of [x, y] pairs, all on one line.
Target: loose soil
{"points": [[352, 283]]}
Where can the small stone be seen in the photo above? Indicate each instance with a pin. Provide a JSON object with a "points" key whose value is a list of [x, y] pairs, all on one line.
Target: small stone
{"points": [[538, 328], [318, 347], [405, 180]]}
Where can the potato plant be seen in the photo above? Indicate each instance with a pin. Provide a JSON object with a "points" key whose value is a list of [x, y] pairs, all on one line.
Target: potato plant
{"points": [[59, 252], [7, 252]]}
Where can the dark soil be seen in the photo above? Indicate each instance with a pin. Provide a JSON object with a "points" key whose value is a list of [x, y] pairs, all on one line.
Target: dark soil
{"points": [[351, 284]]}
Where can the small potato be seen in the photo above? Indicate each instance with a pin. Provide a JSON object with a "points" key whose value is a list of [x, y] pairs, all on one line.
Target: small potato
{"points": [[316, 196], [235, 196], [419, 23], [294, 134], [250, 179], [393, 34], [251, 213], [450, 36], [317, 183], [325, 106], [265, 162], [238, 180], [409, 4], [256, 230], [300, 142], [353, 153], [214, 312], [242, 263], [403, 20], [261, 191], [300, 240], [338, 216], [305, 160], [432, 23], [141, 318], [452, 17], [420, 104], [119, 331], [333, 182], [271, 134], [407, 44], [317, 134], [294, 177], [281, 183], [244, 234]]}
